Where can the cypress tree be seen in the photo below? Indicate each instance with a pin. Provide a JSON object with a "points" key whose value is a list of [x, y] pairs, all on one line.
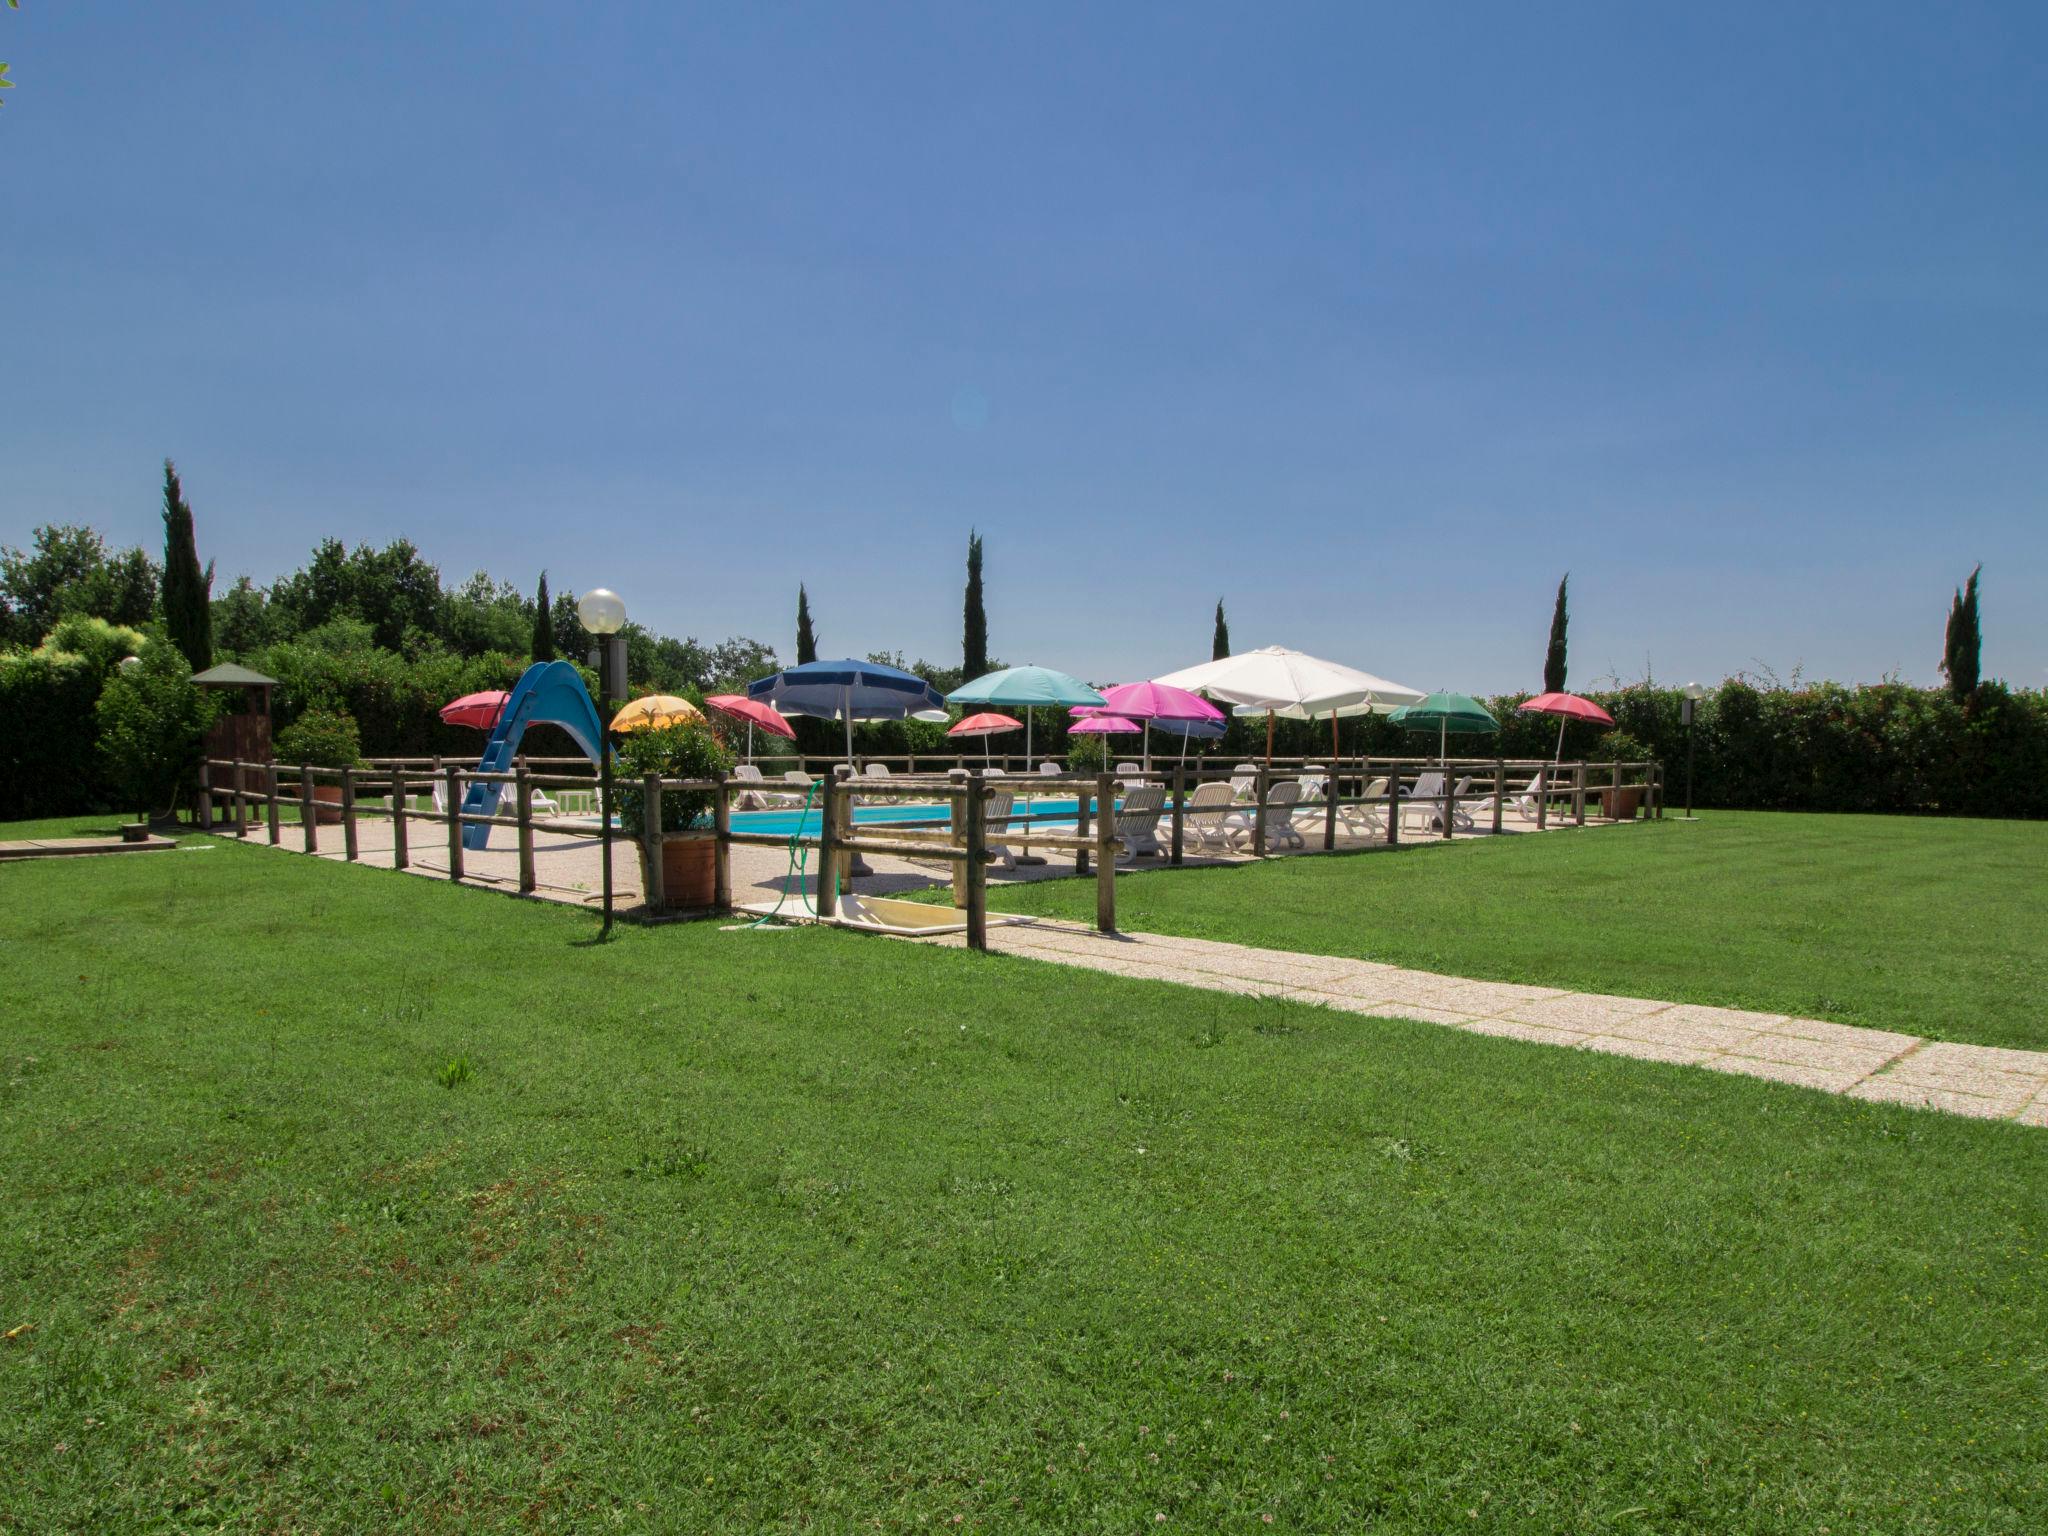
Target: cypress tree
{"points": [[974, 647], [1553, 658], [1219, 646], [1962, 645], [187, 590], [543, 623], [806, 637]]}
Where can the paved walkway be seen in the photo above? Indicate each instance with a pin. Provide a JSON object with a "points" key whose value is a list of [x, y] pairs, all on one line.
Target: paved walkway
{"points": [[1870, 1064]]}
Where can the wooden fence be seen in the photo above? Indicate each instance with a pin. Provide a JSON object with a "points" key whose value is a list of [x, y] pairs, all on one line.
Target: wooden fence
{"points": [[1374, 797]]}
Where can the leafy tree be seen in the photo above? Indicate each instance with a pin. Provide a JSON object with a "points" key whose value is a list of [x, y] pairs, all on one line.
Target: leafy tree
{"points": [[187, 590], [241, 618], [69, 570], [1553, 658], [806, 636], [152, 727], [570, 641], [1962, 645], [103, 646], [5, 83], [1219, 645], [392, 589], [543, 624], [974, 649]]}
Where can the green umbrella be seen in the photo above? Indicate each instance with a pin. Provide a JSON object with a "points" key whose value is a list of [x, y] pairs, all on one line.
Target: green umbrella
{"points": [[1448, 712]]}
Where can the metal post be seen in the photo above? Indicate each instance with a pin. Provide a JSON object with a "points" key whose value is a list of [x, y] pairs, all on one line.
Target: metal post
{"points": [[828, 852], [349, 847], [452, 776], [977, 863], [1105, 854], [604, 818], [1688, 759], [401, 855]]}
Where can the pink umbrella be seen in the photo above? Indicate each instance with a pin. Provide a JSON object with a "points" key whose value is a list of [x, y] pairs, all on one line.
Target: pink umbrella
{"points": [[754, 712], [1567, 707], [1157, 701], [478, 711], [1095, 722], [985, 726]]}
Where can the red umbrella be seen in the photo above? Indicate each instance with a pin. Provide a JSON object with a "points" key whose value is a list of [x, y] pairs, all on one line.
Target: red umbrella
{"points": [[479, 711], [1567, 707], [754, 712], [985, 726]]}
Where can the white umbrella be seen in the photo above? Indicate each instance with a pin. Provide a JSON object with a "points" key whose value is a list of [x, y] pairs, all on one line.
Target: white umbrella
{"points": [[1277, 682]]}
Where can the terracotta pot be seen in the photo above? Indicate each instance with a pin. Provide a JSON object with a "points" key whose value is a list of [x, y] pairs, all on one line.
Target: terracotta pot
{"points": [[689, 872], [1621, 804], [325, 796]]}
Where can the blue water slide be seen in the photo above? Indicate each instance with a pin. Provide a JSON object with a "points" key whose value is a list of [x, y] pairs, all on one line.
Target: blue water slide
{"points": [[548, 691]]}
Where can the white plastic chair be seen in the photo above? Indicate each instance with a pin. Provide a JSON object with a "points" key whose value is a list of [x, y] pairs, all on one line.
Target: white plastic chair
{"points": [[1204, 813], [1281, 800], [1137, 821]]}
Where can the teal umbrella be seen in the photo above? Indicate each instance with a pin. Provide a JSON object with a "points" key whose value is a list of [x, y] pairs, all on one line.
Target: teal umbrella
{"points": [[1448, 712], [1024, 687]]}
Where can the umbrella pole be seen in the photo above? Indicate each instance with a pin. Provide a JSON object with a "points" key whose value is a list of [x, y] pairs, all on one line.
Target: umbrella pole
{"points": [[1558, 756], [1269, 741], [1443, 742], [1028, 857], [1148, 746]]}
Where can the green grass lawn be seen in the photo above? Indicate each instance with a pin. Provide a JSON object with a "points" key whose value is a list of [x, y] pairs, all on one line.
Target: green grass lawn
{"points": [[1933, 927], [344, 1200]]}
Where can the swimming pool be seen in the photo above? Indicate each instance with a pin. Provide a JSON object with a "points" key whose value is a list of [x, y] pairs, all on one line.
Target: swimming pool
{"points": [[1047, 812]]}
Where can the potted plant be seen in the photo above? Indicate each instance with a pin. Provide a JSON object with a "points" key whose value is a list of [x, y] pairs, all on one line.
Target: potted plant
{"points": [[689, 850], [1620, 747], [322, 738]]}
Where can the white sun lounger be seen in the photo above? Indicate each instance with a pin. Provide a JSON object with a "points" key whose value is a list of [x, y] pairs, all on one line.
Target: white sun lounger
{"points": [[1281, 800], [1204, 814], [1137, 821]]}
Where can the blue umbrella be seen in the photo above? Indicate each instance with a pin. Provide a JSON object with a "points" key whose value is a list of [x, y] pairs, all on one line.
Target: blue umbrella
{"points": [[847, 690]]}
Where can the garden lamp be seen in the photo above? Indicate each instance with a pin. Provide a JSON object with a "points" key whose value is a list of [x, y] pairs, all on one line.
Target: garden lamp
{"points": [[602, 612], [1693, 694]]}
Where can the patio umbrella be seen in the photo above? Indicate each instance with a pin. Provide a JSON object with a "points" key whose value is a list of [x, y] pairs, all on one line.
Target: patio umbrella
{"points": [[1025, 688], [1100, 723], [1148, 702], [478, 711], [985, 726], [1567, 707], [740, 707], [846, 690], [1448, 712], [1280, 683], [654, 712]]}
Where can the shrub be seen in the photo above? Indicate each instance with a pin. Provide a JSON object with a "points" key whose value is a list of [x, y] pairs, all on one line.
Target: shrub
{"points": [[322, 738], [687, 751], [152, 727]]}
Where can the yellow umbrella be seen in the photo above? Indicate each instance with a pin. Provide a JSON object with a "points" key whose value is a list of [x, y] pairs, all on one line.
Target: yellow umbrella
{"points": [[654, 712]]}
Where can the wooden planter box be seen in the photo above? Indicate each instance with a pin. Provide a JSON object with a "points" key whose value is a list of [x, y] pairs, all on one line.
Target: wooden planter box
{"points": [[689, 872], [1621, 804]]}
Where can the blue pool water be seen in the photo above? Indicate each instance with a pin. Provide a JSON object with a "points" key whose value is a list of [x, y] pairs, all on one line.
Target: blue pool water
{"points": [[1049, 812]]}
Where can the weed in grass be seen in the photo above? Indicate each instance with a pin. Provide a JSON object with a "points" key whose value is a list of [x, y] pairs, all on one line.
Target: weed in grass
{"points": [[455, 1073]]}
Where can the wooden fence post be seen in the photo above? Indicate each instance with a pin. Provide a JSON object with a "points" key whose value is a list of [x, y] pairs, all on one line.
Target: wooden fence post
{"points": [[308, 817], [1450, 807], [1546, 781], [1330, 805], [828, 852], [977, 864], [1579, 794], [1614, 805], [270, 804], [523, 787], [956, 831], [1105, 854], [350, 849], [451, 776], [241, 800], [1081, 794], [1180, 797], [1657, 785], [401, 853], [1500, 788], [1393, 803], [203, 809], [655, 895], [721, 852]]}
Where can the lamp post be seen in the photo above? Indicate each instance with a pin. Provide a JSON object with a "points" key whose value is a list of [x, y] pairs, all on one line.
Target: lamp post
{"points": [[603, 614], [1693, 694]]}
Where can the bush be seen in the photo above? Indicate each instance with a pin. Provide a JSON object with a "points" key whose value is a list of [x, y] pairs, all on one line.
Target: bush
{"points": [[687, 751], [152, 727], [322, 738]]}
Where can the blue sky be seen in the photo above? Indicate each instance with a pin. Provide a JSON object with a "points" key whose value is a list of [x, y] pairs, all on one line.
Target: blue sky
{"points": [[1370, 319]]}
